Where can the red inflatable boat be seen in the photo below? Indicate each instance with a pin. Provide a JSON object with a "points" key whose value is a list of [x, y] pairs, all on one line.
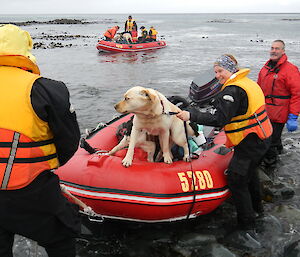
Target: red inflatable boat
{"points": [[147, 192], [109, 46]]}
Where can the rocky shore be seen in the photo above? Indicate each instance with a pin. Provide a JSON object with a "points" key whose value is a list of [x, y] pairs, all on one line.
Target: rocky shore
{"points": [[56, 22]]}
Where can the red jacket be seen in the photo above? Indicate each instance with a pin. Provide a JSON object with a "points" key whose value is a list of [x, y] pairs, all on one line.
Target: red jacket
{"points": [[281, 87]]}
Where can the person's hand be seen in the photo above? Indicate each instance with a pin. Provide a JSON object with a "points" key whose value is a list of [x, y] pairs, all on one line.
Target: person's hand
{"points": [[292, 123], [183, 115]]}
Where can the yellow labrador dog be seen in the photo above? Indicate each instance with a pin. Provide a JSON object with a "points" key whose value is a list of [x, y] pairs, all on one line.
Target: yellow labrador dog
{"points": [[123, 36], [152, 115]]}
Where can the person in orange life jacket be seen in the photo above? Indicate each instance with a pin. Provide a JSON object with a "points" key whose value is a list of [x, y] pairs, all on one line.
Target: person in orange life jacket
{"points": [[38, 133], [110, 33], [144, 35], [152, 34], [130, 25], [240, 109], [280, 82]]}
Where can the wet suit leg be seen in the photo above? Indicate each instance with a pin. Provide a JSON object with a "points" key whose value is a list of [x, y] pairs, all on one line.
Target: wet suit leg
{"points": [[6, 243], [256, 191], [238, 185], [243, 180]]}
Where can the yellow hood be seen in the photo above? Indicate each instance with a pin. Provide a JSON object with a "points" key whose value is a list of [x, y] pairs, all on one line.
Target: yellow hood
{"points": [[16, 42]]}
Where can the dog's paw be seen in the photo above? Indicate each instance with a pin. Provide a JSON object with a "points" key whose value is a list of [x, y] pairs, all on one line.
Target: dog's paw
{"points": [[186, 158], [126, 162], [168, 158]]}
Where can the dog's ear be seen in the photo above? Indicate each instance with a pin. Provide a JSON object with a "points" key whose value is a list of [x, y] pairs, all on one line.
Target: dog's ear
{"points": [[148, 94]]}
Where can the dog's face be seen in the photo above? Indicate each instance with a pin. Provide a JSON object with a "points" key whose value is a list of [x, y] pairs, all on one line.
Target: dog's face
{"points": [[127, 35], [136, 100], [118, 36]]}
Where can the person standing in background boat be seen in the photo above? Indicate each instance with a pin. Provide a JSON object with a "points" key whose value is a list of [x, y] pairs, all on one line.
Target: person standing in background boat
{"points": [[131, 26], [110, 33], [240, 109], [280, 82], [152, 34], [39, 132]]}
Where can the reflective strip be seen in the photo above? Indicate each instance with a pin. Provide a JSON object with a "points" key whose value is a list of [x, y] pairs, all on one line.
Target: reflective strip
{"points": [[246, 127], [10, 161]]}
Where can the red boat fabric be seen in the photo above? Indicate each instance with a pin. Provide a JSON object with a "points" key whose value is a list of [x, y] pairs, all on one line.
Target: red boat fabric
{"points": [[147, 192], [110, 46]]}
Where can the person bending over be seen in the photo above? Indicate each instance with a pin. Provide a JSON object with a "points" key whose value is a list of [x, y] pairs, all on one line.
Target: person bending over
{"points": [[240, 109]]}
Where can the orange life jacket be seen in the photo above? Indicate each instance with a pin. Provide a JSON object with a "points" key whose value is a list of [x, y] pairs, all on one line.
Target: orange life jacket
{"points": [[255, 120], [26, 141], [110, 33]]}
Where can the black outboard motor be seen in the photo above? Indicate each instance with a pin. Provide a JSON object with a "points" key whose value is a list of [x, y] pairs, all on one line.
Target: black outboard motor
{"points": [[204, 88]]}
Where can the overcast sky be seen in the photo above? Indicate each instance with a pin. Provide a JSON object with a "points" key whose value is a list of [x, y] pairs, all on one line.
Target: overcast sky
{"points": [[147, 6]]}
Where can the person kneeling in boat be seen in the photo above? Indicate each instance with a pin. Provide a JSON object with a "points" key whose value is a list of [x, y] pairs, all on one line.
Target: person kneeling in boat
{"points": [[110, 33], [152, 34], [240, 109], [144, 35]]}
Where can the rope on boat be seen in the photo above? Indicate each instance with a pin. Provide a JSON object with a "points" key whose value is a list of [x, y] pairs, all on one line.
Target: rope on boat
{"points": [[86, 210], [193, 180]]}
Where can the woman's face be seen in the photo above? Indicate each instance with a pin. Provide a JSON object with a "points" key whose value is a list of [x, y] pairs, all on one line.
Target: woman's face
{"points": [[222, 74]]}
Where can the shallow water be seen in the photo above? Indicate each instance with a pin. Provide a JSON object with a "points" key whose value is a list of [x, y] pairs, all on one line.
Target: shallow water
{"points": [[98, 80]]}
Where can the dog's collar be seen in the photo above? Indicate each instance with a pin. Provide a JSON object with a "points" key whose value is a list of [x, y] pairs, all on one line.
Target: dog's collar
{"points": [[163, 108]]}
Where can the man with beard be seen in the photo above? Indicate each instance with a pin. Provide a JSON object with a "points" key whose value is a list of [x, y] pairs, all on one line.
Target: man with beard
{"points": [[280, 82]]}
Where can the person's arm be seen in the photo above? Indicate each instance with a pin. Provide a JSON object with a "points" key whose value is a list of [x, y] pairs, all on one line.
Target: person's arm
{"points": [[293, 83], [50, 100], [232, 101]]}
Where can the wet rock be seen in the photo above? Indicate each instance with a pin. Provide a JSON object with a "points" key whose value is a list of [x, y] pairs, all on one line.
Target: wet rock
{"points": [[257, 40], [288, 213], [64, 36], [221, 21], [56, 21], [292, 250], [42, 45], [213, 250], [164, 246], [244, 240], [296, 19], [193, 239], [277, 191], [268, 226], [25, 247]]}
